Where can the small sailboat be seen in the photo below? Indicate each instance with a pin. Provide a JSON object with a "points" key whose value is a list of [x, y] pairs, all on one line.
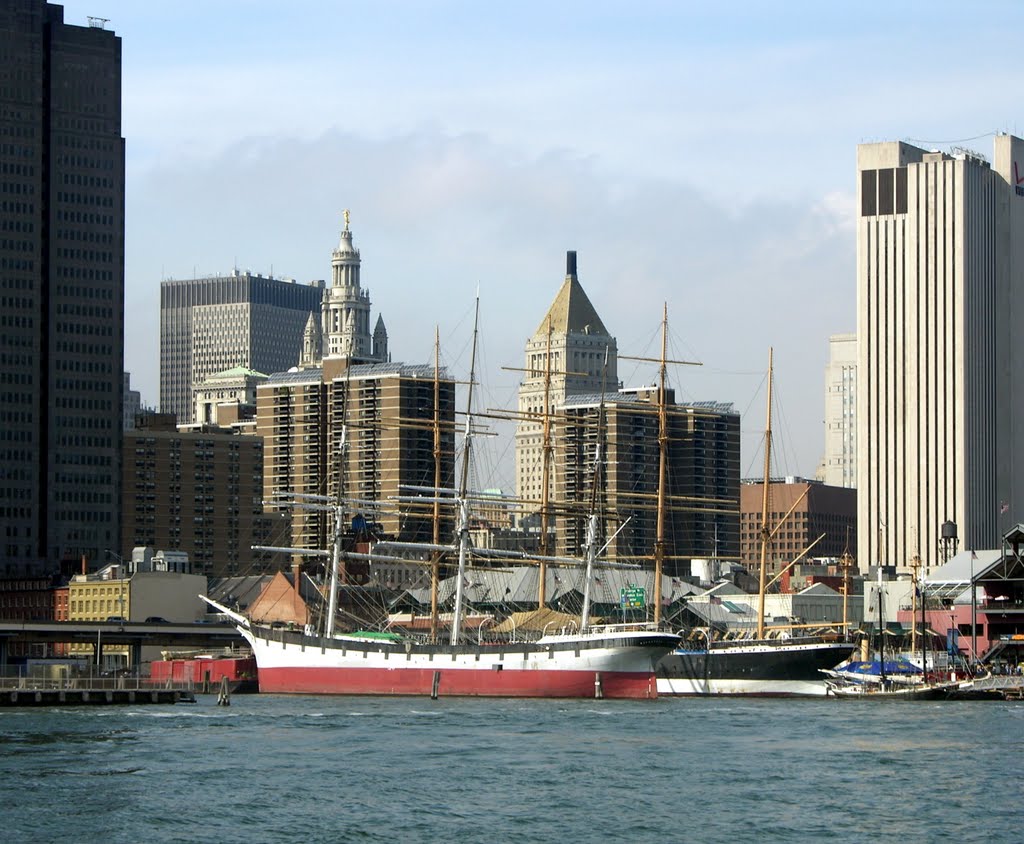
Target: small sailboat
{"points": [[886, 679]]}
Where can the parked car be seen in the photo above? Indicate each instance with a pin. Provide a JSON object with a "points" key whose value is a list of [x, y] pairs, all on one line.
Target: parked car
{"points": [[155, 619], [117, 619]]}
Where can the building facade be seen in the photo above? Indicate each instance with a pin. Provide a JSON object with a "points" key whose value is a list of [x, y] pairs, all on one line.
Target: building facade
{"points": [[823, 509], [198, 491], [570, 353], [208, 325], [839, 465], [701, 496], [940, 251], [387, 412], [61, 285]]}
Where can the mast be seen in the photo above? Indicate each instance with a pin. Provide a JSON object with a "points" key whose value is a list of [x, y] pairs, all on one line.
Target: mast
{"points": [[545, 477], [339, 519], [591, 540], [463, 527], [881, 628], [663, 449], [435, 559], [764, 503]]}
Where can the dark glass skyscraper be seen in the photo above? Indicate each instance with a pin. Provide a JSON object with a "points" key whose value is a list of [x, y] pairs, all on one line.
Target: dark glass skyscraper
{"points": [[61, 286]]}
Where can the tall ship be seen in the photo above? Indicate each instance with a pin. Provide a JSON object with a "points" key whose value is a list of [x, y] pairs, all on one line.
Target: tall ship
{"points": [[760, 666], [581, 660]]}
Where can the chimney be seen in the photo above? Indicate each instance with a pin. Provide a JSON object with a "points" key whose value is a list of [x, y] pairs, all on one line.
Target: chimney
{"points": [[84, 565], [570, 263]]}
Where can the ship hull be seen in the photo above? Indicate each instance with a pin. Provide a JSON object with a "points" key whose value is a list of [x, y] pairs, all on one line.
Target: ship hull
{"points": [[614, 666], [766, 669]]}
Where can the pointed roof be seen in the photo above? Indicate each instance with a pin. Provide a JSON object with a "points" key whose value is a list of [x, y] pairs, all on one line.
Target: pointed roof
{"points": [[572, 312], [379, 327]]}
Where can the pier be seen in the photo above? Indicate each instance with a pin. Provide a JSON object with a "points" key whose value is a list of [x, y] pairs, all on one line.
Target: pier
{"points": [[89, 690]]}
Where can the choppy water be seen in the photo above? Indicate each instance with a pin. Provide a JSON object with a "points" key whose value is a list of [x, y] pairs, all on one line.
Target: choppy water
{"points": [[312, 769]]}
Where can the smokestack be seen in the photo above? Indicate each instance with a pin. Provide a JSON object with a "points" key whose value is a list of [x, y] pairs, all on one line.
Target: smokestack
{"points": [[570, 263], [84, 565]]}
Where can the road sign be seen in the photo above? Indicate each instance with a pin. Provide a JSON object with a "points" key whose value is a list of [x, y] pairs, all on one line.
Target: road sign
{"points": [[633, 597]]}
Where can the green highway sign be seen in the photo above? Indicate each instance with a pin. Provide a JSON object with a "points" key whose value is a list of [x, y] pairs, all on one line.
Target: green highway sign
{"points": [[633, 597]]}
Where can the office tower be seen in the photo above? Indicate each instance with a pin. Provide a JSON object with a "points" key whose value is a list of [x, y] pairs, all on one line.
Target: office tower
{"points": [[208, 325], [197, 491], [61, 285], [566, 356], [702, 478], [839, 465], [939, 421], [821, 514], [131, 403]]}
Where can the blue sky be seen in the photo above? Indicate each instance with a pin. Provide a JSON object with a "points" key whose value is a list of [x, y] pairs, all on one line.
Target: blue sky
{"points": [[697, 154]]}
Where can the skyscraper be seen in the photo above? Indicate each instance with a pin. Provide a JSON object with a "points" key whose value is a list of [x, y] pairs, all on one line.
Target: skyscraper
{"points": [[566, 356], [208, 325], [940, 252], [345, 380], [839, 465], [61, 285], [701, 511]]}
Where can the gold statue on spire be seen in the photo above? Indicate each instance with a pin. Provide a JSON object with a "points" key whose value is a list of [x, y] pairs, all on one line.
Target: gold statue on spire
{"points": [[345, 213]]}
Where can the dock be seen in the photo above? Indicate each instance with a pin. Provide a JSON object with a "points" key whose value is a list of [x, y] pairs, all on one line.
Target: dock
{"points": [[30, 691]]}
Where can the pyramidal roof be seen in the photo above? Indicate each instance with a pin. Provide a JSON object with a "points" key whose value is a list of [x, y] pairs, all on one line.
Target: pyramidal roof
{"points": [[572, 312]]}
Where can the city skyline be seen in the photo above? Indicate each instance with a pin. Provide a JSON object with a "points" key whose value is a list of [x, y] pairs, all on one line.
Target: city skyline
{"points": [[693, 156]]}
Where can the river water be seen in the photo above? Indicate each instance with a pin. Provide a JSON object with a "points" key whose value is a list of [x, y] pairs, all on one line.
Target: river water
{"points": [[321, 769]]}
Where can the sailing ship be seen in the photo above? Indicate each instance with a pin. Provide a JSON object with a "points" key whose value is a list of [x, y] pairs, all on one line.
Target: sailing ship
{"points": [[583, 660], [761, 666], [882, 679]]}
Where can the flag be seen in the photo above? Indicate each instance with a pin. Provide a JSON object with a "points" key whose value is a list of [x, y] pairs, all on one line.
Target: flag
{"points": [[1004, 508]]}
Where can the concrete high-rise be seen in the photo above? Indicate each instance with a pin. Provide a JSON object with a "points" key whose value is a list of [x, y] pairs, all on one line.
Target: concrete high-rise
{"points": [[208, 325], [61, 286], [940, 256], [839, 465]]}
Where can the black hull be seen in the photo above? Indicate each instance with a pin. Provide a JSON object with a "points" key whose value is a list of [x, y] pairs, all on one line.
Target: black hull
{"points": [[769, 668]]}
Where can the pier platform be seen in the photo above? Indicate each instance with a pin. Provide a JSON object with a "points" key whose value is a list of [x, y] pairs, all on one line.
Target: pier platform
{"points": [[90, 691]]}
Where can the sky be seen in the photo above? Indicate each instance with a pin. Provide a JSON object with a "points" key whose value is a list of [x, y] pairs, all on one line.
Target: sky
{"points": [[696, 155]]}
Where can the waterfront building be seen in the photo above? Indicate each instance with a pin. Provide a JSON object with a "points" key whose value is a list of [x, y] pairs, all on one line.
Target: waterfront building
{"points": [[197, 491], [570, 353], [208, 325], [702, 476], [839, 465], [940, 252], [819, 509], [61, 285]]}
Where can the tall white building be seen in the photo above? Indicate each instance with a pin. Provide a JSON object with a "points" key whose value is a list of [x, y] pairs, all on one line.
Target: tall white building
{"points": [[839, 465], [564, 357], [939, 277]]}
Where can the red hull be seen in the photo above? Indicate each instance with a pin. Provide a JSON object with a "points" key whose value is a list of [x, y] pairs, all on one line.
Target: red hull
{"points": [[457, 683]]}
